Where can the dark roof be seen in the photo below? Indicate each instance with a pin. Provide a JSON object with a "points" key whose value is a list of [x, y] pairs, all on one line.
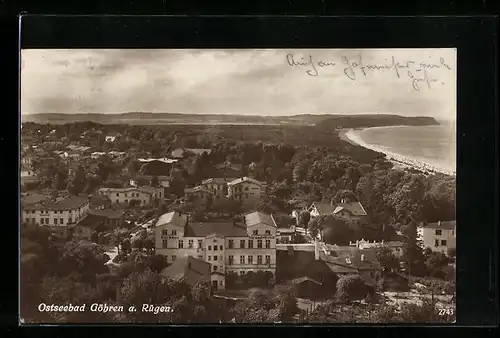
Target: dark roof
{"points": [[223, 229], [301, 280], [257, 217], [99, 200], [324, 208], [448, 225], [90, 221], [189, 269], [72, 202], [355, 208], [33, 198], [296, 264], [350, 257], [108, 213]]}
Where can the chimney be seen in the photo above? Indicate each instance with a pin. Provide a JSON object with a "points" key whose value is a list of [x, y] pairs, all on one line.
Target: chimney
{"points": [[362, 257], [439, 223], [316, 250]]}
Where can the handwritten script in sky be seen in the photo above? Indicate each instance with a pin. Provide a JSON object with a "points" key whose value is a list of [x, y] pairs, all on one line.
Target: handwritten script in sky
{"points": [[420, 74]]}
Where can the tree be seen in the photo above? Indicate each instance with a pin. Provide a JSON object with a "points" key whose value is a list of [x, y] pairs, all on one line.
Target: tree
{"points": [[157, 263], [154, 181], [351, 288], [435, 262], [304, 218], [413, 255], [126, 246], [138, 243], [388, 260]]}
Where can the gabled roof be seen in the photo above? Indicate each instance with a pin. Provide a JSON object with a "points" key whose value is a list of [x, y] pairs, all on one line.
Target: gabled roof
{"points": [[323, 208], [259, 217], [173, 217], [189, 269], [447, 225], [196, 189], [233, 166], [305, 279], [354, 208], [245, 179]]}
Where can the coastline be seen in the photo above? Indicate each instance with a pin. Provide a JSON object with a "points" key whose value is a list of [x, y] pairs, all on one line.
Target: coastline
{"points": [[399, 161]]}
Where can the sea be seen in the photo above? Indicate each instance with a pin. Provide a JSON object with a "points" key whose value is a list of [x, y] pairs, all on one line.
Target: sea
{"points": [[431, 145]]}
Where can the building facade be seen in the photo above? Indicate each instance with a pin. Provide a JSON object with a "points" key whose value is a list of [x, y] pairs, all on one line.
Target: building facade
{"points": [[145, 196], [230, 247], [218, 186], [56, 213], [246, 189], [440, 236]]}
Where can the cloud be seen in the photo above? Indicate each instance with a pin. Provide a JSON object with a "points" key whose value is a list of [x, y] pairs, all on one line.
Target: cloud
{"points": [[226, 81]]}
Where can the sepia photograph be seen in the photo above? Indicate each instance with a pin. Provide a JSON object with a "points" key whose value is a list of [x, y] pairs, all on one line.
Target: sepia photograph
{"points": [[235, 186]]}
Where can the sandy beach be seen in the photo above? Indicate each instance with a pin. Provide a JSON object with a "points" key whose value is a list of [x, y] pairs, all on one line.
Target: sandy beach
{"points": [[399, 161]]}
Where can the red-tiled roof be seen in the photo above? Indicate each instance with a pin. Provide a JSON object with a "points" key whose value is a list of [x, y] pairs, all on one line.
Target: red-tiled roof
{"points": [[189, 269]]}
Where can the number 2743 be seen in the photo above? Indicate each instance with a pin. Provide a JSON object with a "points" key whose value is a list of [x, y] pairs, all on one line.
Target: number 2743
{"points": [[446, 312]]}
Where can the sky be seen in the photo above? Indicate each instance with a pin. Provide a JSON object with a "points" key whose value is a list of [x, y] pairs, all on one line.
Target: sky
{"points": [[243, 82]]}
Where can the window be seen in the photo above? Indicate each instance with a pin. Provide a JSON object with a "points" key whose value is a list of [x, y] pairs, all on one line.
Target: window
{"points": [[242, 273], [117, 194], [33, 220], [200, 243], [215, 247], [230, 260], [164, 233], [242, 243], [259, 259], [165, 244], [46, 221], [268, 232], [220, 247], [246, 189], [443, 242], [209, 247], [126, 195], [250, 243], [181, 244], [230, 244], [250, 259], [439, 232], [215, 268], [126, 201], [268, 259], [259, 244], [436, 243], [61, 221], [268, 244], [190, 243], [200, 256], [209, 258], [174, 232], [215, 258], [55, 221], [42, 221], [242, 259], [174, 257], [255, 232]]}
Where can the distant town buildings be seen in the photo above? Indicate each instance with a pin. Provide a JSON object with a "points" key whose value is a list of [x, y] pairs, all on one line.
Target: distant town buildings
{"points": [[183, 152], [143, 195], [246, 189], [56, 213]]}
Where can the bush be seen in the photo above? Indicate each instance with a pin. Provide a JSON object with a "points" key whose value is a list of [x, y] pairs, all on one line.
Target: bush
{"points": [[352, 288]]}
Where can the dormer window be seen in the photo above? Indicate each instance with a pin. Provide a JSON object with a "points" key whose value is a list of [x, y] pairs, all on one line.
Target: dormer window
{"points": [[255, 232], [348, 260]]}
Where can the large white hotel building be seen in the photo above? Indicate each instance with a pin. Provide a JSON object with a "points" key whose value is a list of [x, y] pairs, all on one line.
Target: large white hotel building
{"points": [[236, 247]]}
